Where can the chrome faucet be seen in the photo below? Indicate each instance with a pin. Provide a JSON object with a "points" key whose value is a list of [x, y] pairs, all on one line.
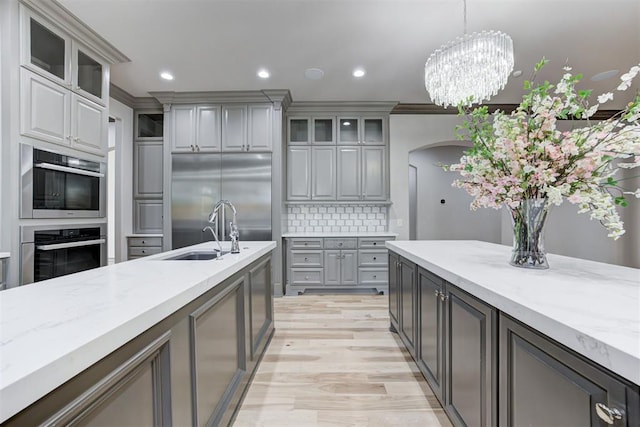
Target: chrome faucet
{"points": [[234, 234]]}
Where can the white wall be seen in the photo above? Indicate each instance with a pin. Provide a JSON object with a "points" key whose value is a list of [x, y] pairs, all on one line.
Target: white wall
{"points": [[567, 233], [123, 176], [453, 219]]}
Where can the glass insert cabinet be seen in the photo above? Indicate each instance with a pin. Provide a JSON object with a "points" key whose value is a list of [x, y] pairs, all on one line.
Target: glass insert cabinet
{"points": [[352, 130], [52, 53]]}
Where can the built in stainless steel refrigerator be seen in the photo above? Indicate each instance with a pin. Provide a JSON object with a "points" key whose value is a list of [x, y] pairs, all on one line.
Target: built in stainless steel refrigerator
{"points": [[199, 181]]}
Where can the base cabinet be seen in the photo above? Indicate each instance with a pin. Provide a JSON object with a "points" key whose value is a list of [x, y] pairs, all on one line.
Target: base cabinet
{"points": [[192, 368], [543, 384], [487, 369]]}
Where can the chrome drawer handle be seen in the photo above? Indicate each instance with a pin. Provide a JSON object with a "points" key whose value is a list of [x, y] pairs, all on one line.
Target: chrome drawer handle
{"points": [[306, 259], [375, 243], [340, 244], [607, 414], [374, 258], [374, 276], [306, 277], [443, 296]]}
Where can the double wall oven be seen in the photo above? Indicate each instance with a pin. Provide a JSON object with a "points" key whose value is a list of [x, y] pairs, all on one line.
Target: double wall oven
{"points": [[55, 186]]}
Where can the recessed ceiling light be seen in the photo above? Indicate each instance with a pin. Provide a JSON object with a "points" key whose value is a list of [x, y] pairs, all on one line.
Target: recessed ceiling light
{"points": [[263, 74], [313, 73], [166, 75], [604, 75], [346, 123], [358, 72]]}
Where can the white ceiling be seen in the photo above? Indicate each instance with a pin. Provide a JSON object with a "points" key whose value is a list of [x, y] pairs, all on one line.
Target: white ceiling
{"points": [[213, 45]]}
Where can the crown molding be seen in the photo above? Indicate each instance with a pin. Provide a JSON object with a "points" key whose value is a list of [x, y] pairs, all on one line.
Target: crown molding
{"points": [[62, 17], [379, 107], [254, 96], [121, 95]]}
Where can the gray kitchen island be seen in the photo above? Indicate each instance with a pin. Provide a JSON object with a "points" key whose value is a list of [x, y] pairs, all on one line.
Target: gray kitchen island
{"points": [[507, 346], [155, 341]]}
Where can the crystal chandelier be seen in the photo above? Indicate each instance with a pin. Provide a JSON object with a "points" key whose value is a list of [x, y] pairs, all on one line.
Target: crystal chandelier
{"points": [[475, 66]]}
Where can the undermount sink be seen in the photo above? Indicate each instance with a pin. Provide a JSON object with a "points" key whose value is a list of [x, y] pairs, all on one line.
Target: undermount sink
{"points": [[196, 256]]}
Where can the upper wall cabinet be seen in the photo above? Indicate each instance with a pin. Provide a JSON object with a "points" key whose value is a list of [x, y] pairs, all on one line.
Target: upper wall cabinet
{"points": [[195, 128], [52, 53], [64, 79]]}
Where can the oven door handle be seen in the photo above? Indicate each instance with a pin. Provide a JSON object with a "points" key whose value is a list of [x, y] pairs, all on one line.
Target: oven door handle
{"points": [[59, 168], [56, 246]]}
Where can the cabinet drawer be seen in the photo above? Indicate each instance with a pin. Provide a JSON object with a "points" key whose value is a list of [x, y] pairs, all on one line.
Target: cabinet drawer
{"points": [[306, 258], [307, 276], [340, 243], [371, 242], [145, 241], [305, 243], [373, 276], [144, 251], [372, 258]]}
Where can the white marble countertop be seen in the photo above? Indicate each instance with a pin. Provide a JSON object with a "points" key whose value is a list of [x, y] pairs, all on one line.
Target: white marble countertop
{"points": [[591, 307], [5, 255], [343, 234], [52, 330]]}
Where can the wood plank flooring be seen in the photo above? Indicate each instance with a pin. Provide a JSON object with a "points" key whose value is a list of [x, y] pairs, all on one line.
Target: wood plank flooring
{"points": [[333, 362]]}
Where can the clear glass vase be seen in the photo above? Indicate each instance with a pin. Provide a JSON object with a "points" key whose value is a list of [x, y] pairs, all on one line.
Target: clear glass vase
{"points": [[528, 221]]}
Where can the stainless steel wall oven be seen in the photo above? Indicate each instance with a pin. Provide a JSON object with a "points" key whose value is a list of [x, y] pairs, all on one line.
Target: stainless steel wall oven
{"points": [[55, 185], [49, 251]]}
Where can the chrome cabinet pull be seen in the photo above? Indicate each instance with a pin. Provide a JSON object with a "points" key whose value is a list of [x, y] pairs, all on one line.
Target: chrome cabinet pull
{"points": [[443, 296], [606, 414], [374, 258], [306, 259]]}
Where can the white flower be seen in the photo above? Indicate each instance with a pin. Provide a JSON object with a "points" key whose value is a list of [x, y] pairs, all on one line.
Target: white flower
{"points": [[605, 97]]}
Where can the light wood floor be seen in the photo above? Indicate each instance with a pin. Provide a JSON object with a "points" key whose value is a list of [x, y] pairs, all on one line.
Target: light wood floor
{"points": [[333, 362]]}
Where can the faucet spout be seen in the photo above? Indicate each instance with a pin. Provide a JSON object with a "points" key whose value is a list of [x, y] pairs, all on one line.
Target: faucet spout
{"points": [[215, 236]]}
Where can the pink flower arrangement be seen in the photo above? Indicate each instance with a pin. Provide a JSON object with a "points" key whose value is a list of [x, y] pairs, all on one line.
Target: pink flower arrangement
{"points": [[522, 155]]}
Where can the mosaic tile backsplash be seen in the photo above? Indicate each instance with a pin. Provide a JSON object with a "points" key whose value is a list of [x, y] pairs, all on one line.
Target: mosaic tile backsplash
{"points": [[336, 218]]}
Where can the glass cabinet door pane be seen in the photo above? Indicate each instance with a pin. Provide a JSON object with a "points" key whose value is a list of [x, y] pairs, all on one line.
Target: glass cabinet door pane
{"points": [[349, 130], [150, 125], [299, 130], [372, 130], [89, 74], [47, 49], [323, 130]]}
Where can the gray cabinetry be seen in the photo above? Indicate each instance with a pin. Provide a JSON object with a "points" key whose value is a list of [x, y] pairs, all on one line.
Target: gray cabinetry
{"points": [[336, 263], [260, 128], [541, 383], [195, 128], [470, 375], [405, 298], [148, 172], [139, 246], [323, 176], [299, 173], [538, 382], [234, 127], [360, 169]]}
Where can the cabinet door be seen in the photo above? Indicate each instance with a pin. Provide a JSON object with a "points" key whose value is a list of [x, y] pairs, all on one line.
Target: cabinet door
{"points": [[89, 123], [349, 173], [148, 170], [234, 128], [147, 216], [183, 128], [149, 125], [374, 177], [298, 131], [542, 384], [323, 130], [394, 300], [431, 327], [89, 74], [348, 131], [408, 299], [470, 391], [261, 302], [373, 131], [45, 48], [349, 267], [332, 267], [45, 109], [260, 128], [299, 173], [208, 128], [323, 182]]}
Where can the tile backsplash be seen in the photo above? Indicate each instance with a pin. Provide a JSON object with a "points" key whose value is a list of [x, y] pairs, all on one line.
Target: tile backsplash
{"points": [[336, 218]]}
